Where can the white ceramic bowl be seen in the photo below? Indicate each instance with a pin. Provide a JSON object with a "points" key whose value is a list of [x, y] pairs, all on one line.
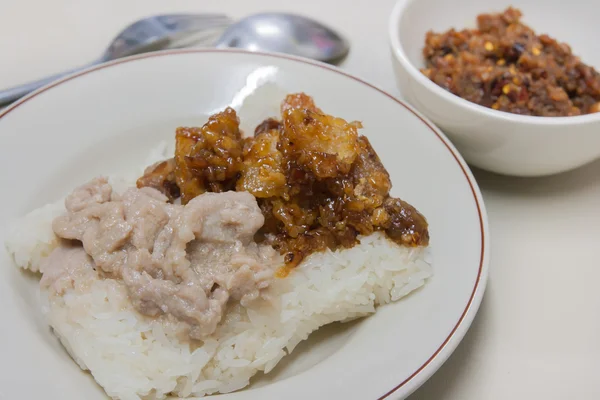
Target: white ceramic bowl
{"points": [[494, 140], [106, 119]]}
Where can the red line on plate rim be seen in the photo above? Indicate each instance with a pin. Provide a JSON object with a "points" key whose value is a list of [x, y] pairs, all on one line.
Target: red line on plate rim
{"points": [[339, 71]]}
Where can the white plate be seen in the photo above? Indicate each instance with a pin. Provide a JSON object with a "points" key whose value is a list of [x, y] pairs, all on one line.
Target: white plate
{"points": [[106, 119]]}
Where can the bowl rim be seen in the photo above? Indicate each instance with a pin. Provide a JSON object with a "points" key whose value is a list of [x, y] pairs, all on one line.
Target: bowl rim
{"points": [[400, 55], [460, 328]]}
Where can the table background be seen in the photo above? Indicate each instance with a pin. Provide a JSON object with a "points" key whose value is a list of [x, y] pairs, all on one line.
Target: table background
{"points": [[537, 334]]}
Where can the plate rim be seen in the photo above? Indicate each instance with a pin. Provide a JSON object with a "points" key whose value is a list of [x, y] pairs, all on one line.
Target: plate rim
{"points": [[447, 347]]}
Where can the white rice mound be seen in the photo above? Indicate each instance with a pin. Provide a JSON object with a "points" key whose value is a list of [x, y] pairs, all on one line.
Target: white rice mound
{"points": [[133, 356]]}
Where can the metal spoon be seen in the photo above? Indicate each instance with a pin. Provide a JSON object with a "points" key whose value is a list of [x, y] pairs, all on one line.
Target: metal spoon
{"points": [[285, 33], [148, 34]]}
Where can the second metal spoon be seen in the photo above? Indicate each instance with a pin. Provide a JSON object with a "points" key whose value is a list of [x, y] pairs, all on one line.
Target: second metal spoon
{"points": [[285, 33]]}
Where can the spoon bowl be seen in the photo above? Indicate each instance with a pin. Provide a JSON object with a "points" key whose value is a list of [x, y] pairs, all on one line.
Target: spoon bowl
{"points": [[285, 33]]}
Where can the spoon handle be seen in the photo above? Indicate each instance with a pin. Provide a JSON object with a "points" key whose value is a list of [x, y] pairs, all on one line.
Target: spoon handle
{"points": [[12, 94]]}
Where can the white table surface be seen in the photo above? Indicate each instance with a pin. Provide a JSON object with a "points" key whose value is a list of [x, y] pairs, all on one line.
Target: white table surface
{"points": [[537, 334]]}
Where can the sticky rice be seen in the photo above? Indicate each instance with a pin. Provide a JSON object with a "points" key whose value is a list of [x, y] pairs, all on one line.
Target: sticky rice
{"points": [[133, 356]]}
